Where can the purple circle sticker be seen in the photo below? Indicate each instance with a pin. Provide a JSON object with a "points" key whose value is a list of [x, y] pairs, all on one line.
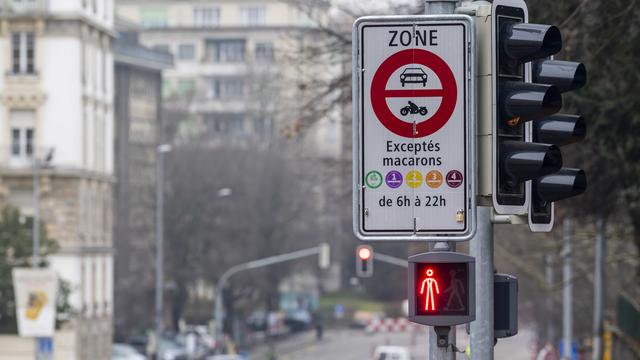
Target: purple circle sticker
{"points": [[393, 179], [454, 178]]}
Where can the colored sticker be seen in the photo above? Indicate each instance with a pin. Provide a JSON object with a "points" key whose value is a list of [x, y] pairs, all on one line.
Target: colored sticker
{"points": [[373, 179], [393, 179], [414, 179], [454, 178], [433, 179]]}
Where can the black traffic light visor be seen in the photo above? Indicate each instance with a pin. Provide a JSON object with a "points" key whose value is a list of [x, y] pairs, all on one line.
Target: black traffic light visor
{"points": [[561, 185], [527, 101], [525, 42], [559, 129], [525, 161], [566, 75]]}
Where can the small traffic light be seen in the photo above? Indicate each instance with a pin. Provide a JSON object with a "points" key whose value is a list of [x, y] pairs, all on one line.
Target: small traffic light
{"points": [[364, 261], [518, 101], [441, 288]]}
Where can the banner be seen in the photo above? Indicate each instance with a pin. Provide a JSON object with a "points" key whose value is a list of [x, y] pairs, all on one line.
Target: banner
{"points": [[35, 295]]}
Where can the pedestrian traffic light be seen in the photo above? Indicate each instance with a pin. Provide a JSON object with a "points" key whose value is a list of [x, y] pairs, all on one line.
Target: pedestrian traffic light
{"points": [[441, 288], [517, 101], [364, 261]]}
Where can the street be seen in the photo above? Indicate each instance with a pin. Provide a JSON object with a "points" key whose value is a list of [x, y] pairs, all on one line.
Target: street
{"points": [[358, 345]]}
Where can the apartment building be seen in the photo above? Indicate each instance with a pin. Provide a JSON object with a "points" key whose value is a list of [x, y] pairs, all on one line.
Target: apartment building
{"points": [[56, 107], [231, 74]]}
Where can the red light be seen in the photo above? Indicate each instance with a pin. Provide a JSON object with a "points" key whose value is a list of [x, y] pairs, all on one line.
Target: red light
{"points": [[364, 253], [431, 283]]}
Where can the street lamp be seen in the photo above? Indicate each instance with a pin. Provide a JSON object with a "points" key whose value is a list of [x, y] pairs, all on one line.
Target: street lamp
{"points": [[160, 151], [37, 163]]}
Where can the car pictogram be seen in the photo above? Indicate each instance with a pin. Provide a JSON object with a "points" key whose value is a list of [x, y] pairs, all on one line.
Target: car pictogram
{"points": [[413, 75]]}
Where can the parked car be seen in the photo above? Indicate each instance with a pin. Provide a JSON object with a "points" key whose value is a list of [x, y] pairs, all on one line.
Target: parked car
{"points": [[391, 353], [125, 352], [226, 357], [169, 350]]}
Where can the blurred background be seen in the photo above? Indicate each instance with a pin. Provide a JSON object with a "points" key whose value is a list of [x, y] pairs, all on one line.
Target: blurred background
{"points": [[221, 131]]}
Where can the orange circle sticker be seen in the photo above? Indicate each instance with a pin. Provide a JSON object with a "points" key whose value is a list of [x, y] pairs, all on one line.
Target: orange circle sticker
{"points": [[433, 179]]}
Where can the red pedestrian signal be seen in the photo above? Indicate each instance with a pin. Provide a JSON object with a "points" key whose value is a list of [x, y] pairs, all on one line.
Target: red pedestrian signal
{"points": [[441, 288]]}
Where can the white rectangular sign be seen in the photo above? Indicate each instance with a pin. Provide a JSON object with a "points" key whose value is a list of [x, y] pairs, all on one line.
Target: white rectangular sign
{"points": [[414, 128], [35, 293]]}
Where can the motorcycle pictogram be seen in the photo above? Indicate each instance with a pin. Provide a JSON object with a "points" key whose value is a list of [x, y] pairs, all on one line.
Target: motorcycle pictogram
{"points": [[413, 109]]}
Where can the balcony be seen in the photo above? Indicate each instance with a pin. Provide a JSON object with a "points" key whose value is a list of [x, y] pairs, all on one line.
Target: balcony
{"points": [[23, 7]]}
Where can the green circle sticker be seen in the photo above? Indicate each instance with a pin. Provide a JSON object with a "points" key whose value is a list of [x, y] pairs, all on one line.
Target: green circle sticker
{"points": [[373, 179]]}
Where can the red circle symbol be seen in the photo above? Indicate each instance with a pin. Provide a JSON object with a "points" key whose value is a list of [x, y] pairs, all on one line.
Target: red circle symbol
{"points": [[380, 93]]}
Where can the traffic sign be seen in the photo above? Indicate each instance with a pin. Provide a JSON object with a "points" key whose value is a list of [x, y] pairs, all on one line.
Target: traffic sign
{"points": [[441, 288], [413, 128]]}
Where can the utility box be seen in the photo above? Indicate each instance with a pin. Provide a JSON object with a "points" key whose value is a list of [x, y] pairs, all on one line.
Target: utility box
{"points": [[505, 305]]}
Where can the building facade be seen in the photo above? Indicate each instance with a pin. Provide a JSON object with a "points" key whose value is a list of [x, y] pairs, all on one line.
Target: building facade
{"points": [[56, 106], [232, 69], [138, 109]]}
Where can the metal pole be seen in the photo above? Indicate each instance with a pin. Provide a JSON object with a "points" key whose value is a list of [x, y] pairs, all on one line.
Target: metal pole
{"points": [[436, 7], [433, 7], [548, 303], [36, 230], [567, 304], [219, 312], [36, 212], [481, 247], [599, 286], [159, 247]]}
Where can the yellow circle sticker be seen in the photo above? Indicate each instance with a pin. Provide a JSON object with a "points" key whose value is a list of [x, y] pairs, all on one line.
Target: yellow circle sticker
{"points": [[433, 179], [414, 179]]}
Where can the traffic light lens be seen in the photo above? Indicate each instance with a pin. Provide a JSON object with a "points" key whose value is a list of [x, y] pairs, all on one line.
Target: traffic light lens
{"points": [[364, 253], [441, 288]]}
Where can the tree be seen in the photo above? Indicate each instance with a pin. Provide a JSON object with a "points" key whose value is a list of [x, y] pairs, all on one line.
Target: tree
{"points": [[16, 250]]}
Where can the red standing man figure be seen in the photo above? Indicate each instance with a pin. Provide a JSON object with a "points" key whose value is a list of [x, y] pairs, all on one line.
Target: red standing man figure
{"points": [[431, 283]]}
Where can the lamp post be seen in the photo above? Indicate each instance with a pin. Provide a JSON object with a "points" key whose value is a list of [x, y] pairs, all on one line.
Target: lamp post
{"points": [[37, 163], [160, 151]]}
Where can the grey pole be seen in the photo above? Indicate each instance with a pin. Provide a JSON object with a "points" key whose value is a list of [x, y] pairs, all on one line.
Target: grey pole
{"points": [[36, 212], [567, 305], [481, 247], [599, 286], [437, 7], [159, 299], [548, 303], [36, 228], [219, 312]]}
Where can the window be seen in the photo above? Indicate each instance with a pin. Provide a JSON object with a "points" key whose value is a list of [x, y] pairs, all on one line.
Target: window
{"points": [[23, 52], [22, 133], [253, 16], [225, 123], [154, 17], [186, 87], [186, 52], [264, 52], [206, 16], [162, 48], [225, 51], [225, 88]]}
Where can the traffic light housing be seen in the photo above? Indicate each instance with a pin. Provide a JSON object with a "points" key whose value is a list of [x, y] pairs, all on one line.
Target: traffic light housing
{"points": [[527, 129], [441, 288], [364, 261]]}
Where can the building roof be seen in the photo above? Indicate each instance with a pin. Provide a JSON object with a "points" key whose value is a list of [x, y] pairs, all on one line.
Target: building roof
{"points": [[128, 50]]}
